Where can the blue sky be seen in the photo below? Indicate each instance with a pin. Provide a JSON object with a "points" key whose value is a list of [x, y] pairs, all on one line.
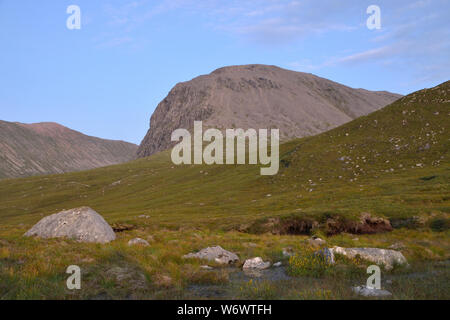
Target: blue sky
{"points": [[107, 78]]}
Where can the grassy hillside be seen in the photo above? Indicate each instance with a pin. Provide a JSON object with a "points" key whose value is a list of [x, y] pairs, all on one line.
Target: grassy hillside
{"points": [[378, 163], [393, 163]]}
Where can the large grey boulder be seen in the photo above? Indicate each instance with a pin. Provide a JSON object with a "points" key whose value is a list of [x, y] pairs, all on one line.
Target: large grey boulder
{"points": [[371, 292], [256, 263], [385, 257], [81, 224], [217, 254]]}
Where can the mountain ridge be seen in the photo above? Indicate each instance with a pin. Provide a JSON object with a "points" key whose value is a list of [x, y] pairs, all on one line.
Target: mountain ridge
{"points": [[49, 147]]}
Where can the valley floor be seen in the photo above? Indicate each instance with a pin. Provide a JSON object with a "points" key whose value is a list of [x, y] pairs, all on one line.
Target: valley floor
{"points": [[35, 268]]}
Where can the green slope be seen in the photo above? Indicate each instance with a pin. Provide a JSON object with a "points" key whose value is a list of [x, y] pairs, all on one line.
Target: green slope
{"points": [[192, 207], [393, 162]]}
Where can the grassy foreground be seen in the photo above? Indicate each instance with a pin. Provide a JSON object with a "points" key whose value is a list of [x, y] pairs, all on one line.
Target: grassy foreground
{"points": [[393, 164]]}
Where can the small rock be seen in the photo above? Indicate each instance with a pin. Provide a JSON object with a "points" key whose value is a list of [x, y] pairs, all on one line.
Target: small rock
{"points": [[217, 254], [371, 292], [138, 241], [256, 263], [277, 264], [206, 267], [316, 241]]}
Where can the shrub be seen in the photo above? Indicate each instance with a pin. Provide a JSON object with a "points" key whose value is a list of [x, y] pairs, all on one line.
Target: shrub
{"points": [[307, 263]]}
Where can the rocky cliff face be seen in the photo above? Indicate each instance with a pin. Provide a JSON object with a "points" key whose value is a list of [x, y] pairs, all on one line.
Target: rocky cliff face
{"points": [[44, 148], [259, 96]]}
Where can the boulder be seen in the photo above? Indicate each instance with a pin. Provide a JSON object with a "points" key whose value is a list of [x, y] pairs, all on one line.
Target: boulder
{"points": [[217, 254], [326, 254], [256, 263], [371, 292], [138, 241], [81, 224], [385, 257]]}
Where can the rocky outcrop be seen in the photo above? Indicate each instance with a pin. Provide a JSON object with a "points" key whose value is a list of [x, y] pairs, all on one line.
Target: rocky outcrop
{"points": [[259, 96], [80, 224], [46, 148], [388, 258], [217, 254]]}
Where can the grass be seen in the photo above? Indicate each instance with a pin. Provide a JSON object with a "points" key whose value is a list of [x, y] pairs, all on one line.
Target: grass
{"points": [[393, 163]]}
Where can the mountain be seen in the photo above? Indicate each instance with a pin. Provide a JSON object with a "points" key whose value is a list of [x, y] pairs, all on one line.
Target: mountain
{"points": [[45, 148], [259, 96], [393, 163], [387, 170]]}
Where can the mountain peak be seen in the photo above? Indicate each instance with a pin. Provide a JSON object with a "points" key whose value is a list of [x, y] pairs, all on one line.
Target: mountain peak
{"points": [[259, 96]]}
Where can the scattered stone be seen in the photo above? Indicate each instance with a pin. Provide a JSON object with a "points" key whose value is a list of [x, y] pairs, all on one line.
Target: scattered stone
{"points": [[138, 241], [385, 257], [81, 224], [316, 241], [206, 267], [326, 254], [277, 264], [371, 292], [256, 263], [144, 216], [217, 254]]}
